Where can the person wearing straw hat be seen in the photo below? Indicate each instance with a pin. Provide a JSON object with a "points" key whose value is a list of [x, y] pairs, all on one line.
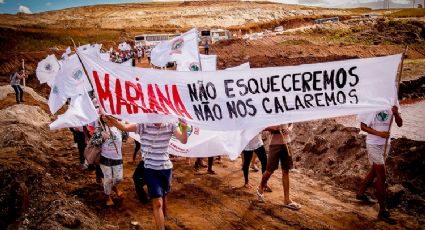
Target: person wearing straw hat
{"points": [[376, 125]]}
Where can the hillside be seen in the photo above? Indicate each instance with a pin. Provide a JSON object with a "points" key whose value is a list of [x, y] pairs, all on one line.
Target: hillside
{"points": [[170, 15]]}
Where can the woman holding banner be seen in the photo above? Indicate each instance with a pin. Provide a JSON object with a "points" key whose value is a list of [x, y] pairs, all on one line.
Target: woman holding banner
{"points": [[111, 162]]}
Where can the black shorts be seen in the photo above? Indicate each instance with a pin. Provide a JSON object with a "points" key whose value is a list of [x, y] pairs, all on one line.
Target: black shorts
{"points": [[279, 153]]}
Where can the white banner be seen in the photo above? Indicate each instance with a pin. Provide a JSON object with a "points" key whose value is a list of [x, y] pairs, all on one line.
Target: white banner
{"points": [[243, 99]]}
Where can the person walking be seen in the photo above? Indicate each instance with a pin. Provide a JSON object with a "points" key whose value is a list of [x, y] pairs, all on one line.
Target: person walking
{"points": [[206, 47], [255, 145], [155, 138], [279, 152], [111, 164], [15, 82], [376, 125]]}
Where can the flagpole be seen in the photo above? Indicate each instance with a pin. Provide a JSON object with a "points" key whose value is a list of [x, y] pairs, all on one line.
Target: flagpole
{"points": [[23, 67], [199, 55], [400, 71], [91, 84]]}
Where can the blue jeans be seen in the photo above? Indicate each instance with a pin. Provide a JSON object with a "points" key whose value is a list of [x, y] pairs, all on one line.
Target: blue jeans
{"points": [[19, 93]]}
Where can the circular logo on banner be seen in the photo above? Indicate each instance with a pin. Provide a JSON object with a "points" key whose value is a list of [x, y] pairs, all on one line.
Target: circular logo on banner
{"points": [[177, 46], [55, 90], [48, 67], [194, 66], [382, 116], [77, 74]]}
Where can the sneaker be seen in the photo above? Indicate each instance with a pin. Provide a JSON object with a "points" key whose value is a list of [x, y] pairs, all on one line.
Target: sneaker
{"points": [[386, 217], [260, 197]]}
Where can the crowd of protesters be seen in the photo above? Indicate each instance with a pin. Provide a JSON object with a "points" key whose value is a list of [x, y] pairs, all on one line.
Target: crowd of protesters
{"points": [[152, 176]]}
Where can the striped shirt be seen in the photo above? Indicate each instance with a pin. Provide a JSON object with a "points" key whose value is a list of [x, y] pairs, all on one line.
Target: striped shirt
{"points": [[154, 141]]}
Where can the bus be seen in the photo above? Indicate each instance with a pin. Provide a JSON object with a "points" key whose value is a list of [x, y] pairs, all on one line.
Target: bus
{"points": [[214, 35], [148, 41]]}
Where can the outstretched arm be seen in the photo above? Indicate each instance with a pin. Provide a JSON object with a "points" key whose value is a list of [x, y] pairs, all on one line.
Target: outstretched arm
{"points": [[367, 129], [181, 135], [110, 121]]}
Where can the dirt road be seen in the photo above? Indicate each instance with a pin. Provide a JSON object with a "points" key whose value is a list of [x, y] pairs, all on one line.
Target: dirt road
{"points": [[220, 202]]}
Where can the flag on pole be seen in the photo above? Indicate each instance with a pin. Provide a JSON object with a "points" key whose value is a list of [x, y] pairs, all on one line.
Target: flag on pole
{"points": [[182, 49], [209, 62], [70, 81], [81, 111], [47, 69]]}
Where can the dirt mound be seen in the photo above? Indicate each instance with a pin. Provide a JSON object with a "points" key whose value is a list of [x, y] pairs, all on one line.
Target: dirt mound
{"points": [[337, 154], [406, 175], [328, 149], [34, 168], [413, 89]]}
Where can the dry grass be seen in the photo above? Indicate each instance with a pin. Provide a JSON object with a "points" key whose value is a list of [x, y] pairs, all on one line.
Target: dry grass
{"points": [[406, 13]]}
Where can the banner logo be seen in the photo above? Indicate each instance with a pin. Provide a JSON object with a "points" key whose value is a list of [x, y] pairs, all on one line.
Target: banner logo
{"points": [[382, 116], [194, 66], [55, 90], [176, 47], [48, 67], [77, 74]]}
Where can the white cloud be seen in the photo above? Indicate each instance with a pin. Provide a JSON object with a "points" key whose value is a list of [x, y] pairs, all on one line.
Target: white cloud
{"points": [[24, 9], [48, 3], [1, 1]]}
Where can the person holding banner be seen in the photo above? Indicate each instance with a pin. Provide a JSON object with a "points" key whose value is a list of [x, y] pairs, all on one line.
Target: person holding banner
{"points": [[15, 82], [155, 139], [377, 126], [279, 151], [111, 162]]}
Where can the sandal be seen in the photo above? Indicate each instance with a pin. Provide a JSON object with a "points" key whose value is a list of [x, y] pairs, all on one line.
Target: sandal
{"points": [[292, 206], [212, 172], [260, 197], [364, 199]]}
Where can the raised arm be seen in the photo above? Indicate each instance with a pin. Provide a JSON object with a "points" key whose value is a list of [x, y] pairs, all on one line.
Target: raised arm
{"points": [[397, 116], [181, 135], [110, 121]]}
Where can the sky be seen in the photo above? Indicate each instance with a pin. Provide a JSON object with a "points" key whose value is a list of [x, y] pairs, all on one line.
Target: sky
{"points": [[35, 6]]}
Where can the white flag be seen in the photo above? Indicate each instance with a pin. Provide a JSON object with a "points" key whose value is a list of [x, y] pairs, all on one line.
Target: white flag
{"points": [[182, 49], [70, 81], [104, 56], [47, 69], [209, 62], [93, 50], [81, 111]]}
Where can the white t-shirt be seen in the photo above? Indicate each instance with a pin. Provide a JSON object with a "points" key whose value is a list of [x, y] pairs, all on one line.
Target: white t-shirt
{"points": [[379, 121], [108, 147], [254, 143]]}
